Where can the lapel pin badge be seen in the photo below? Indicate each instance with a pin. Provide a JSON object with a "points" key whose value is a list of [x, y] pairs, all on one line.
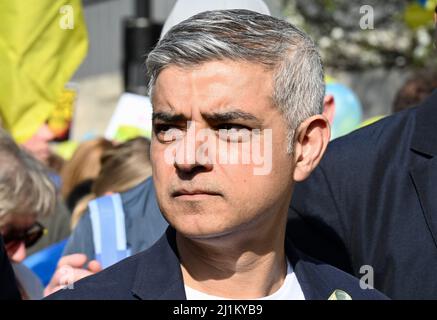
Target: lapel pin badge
{"points": [[339, 295]]}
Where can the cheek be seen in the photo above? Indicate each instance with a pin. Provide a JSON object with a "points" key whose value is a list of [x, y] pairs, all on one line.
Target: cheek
{"points": [[266, 183], [242, 187], [161, 170]]}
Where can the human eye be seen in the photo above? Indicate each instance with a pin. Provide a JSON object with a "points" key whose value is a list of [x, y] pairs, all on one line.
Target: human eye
{"points": [[233, 132], [232, 126], [167, 132]]}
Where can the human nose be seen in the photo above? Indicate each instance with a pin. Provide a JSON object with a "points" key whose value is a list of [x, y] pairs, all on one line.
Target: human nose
{"points": [[193, 153]]}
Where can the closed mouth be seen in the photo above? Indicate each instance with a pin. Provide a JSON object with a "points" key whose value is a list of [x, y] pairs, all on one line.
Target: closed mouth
{"points": [[180, 193]]}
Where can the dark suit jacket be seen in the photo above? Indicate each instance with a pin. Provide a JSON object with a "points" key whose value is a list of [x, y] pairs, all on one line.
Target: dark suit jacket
{"points": [[156, 274], [373, 201], [8, 285]]}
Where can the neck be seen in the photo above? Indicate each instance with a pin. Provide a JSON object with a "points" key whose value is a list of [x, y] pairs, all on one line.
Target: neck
{"points": [[246, 264]]}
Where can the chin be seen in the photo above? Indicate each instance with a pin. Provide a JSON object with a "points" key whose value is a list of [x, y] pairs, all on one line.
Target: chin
{"points": [[200, 226], [211, 233]]}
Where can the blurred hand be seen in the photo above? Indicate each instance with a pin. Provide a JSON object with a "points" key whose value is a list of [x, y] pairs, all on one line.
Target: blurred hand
{"points": [[70, 269]]}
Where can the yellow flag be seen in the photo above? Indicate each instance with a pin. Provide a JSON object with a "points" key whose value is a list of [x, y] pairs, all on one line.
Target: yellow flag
{"points": [[42, 43]]}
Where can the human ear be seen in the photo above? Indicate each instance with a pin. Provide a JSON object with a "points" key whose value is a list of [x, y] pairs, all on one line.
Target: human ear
{"points": [[312, 138], [329, 108]]}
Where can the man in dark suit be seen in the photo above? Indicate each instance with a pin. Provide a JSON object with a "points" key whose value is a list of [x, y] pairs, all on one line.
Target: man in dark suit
{"points": [[237, 98], [370, 207], [8, 287], [373, 201]]}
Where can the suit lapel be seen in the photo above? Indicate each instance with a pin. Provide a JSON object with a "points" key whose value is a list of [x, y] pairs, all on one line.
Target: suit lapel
{"points": [[159, 274], [425, 181], [313, 286], [424, 171]]}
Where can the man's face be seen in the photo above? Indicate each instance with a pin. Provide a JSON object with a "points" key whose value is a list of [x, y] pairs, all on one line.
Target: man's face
{"points": [[219, 196]]}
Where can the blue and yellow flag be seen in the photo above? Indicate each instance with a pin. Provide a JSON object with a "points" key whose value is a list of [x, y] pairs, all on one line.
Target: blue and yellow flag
{"points": [[42, 43]]}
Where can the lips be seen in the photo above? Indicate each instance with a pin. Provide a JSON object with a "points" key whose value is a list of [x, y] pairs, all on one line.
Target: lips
{"points": [[194, 192]]}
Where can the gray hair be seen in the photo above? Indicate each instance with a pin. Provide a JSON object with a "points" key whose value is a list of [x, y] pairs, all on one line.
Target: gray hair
{"points": [[245, 35], [25, 187]]}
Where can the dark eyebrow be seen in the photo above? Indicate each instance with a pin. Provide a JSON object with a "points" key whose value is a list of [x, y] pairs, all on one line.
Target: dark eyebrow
{"points": [[210, 117], [168, 117], [229, 116]]}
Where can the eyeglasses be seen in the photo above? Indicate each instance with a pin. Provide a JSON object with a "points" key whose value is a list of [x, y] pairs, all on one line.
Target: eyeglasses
{"points": [[29, 236]]}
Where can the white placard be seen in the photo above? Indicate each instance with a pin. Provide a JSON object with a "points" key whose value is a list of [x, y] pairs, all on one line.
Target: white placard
{"points": [[133, 111]]}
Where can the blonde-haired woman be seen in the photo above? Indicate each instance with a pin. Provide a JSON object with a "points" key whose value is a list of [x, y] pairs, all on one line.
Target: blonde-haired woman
{"points": [[122, 167], [83, 166], [125, 169]]}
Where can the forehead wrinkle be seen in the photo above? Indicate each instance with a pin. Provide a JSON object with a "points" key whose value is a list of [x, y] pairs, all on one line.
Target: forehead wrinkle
{"points": [[175, 98]]}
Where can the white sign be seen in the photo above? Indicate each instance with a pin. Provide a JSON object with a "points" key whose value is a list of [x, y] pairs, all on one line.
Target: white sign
{"points": [[132, 117]]}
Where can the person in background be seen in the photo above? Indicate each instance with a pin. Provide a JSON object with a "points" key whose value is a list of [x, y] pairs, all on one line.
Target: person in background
{"points": [[57, 224], [26, 194], [370, 208], [57, 227], [38, 145], [78, 173], [123, 167], [415, 90]]}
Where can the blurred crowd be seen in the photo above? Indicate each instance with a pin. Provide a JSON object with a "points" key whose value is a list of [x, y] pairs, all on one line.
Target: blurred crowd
{"points": [[36, 214]]}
